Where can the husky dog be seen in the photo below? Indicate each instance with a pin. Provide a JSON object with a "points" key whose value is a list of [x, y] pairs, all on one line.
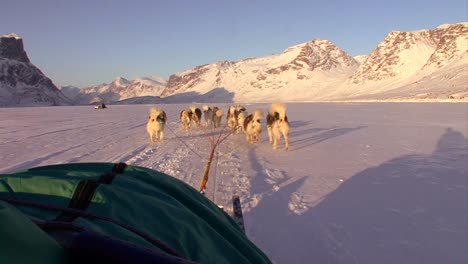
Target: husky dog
{"points": [[240, 120], [208, 115], [217, 116], [253, 127], [232, 117], [277, 125], [196, 115], [186, 119], [156, 123], [240, 108]]}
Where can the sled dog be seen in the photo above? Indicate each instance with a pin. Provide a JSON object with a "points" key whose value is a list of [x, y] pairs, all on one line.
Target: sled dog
{"points": [[156, 123], [277, 125], [253, 126]]}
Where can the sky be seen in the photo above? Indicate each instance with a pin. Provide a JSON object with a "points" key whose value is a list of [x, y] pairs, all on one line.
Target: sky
{"points": [[84, 43], [361, 183]]}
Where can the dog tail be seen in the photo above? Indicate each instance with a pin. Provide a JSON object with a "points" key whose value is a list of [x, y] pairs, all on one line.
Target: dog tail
{"points": [[205, 108], [192, 108], [278, 108], [257, 114]]}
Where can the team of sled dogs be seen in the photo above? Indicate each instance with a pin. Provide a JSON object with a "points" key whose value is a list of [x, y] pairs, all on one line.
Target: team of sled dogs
{"points": [[237, 119]]}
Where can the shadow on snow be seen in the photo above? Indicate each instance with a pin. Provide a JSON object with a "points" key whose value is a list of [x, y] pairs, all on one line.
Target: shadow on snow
{"points": [[412, 209]]}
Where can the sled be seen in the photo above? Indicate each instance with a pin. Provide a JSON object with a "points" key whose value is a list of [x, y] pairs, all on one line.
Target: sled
{"points": [[101, 106], [114, 213]]}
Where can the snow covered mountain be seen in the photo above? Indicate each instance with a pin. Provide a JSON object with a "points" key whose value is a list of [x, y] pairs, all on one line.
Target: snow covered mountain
{"points": [[429, 64], [22, 83], [425, 64], [119, 89], [301, 71]]}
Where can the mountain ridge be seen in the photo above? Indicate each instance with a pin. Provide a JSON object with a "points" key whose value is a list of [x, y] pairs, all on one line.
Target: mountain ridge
{"points": [[427, 64]]}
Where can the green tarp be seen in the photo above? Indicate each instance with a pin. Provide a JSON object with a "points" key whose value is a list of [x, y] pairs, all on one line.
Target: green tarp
{"points": [[152, 202]]}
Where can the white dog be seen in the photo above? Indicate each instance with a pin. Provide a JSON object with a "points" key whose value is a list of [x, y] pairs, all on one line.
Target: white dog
{"points": [[156, 123], [253, 127], [277, 125]]}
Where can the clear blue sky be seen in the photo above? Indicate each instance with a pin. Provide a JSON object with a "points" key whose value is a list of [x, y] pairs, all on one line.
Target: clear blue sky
{"points": [[85, 42]]}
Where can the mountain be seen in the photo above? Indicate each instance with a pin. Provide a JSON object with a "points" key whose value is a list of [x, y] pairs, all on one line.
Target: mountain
{"points": [[429, 64], [308, 69], [119, 89], [424, 64], [22, 83], [71, 92]]}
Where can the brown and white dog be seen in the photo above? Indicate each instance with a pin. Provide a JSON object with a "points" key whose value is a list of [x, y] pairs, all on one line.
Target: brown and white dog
{"points": [[232, 117], [186, 119], [217, 116], [253, 126], [156, 123], [196, 115], [277, 125], [240, 121]]}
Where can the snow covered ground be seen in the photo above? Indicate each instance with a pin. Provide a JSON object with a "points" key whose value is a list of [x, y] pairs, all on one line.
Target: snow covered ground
{"points": [[362, 182]]}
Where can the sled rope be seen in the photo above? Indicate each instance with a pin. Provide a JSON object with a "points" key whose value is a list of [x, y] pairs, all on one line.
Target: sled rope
{"points": [[183, 142], [215, 177], [213, 144]]}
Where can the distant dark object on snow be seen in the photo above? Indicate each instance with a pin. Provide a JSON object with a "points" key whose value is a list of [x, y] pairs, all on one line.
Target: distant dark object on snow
{"points": [[101, 106]]}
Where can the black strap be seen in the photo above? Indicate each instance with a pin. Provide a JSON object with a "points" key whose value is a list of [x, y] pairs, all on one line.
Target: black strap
{"points": [[107, 178], [119, 168], [85, 190], [83, 194]]}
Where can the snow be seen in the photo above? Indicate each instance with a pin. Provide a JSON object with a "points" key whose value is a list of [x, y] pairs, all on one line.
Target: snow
{"points": [[250, 80], [361, 58], [445, 26], [11, 35], [121, 82], [362, 182], [414, 59]]}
